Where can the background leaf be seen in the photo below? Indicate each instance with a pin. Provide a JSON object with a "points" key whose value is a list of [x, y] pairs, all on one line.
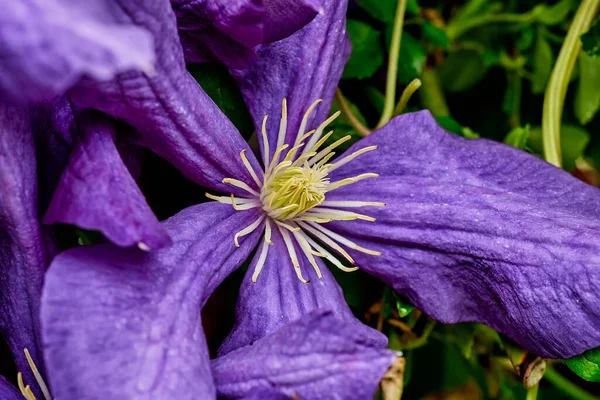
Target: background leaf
{"points": [[367, 52], [412, 59], [587, 97], [591, 40], [586, 365], [383, 10], [555, 14], [222, 89], [543, 60], [462, 70], [518, 137], [435, 35]]}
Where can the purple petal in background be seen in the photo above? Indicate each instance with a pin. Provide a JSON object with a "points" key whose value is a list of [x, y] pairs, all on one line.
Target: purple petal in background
{"points": [[47, 45], [302, 68], [23, 253], [284, 17], [225, 30], [125, 324], [172, 114], [474, 230], [228, 30], [8, 391], [316, 357], [279, 297], [97, 192], [53, 127]]}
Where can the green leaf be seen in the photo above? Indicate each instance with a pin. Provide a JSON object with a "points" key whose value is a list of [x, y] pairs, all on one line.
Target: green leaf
{"points": [[555, 14], [383, 10], [462, 70], [435, 35], [587, 97], [573, 142], [403, 307], [367, 52], [86, 237], [586, 365], [412, 59], [518, 137], [468, 15], [222, 89], [412, 6], [526, 39], [591, 40], [543, 59]]}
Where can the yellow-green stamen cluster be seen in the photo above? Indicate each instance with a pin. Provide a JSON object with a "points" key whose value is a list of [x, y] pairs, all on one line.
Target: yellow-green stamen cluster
{"points": [[293, 194]]}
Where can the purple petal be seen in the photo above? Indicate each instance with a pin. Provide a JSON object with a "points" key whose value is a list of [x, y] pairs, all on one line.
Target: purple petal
{"points": [[284, 17], [474, 230], [97, 192], [125, 324], [174, 117], [53, 129], [47, 45], [23, 254], [266, 393], [8, 391], [216, 29], [229, 30], [278, 297], [318, 356], [302, 68]]}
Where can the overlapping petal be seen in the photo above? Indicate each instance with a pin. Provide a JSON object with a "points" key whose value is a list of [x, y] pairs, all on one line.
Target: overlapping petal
{"points": [[173, 115], [47, 45], [299, 72], [97, 192], [317, 357], [229, 30], [125, 324], [477, 231], [54, 131], [278, 297], [8, 391], [23, 253]]}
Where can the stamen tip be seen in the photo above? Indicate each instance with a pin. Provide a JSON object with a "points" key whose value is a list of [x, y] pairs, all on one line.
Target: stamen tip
{"points": [[143, 246]]}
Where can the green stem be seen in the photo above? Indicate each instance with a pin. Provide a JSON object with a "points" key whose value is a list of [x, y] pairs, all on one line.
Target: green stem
{"points": [[412, 87], [554, 97], [432, 95], [363, 130], [532, 393], [392, 71], [566, 386]]}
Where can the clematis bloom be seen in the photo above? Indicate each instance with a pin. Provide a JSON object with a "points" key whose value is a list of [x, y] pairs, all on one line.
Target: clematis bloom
{"points": [[468, 230]]}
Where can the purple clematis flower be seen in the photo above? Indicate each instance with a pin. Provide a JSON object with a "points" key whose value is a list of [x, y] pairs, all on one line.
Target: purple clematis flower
{"points": [[467, 230]]}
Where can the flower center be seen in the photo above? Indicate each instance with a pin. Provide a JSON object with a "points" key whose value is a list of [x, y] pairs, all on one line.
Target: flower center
{"points": [[291, 191], [292, 195]]}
